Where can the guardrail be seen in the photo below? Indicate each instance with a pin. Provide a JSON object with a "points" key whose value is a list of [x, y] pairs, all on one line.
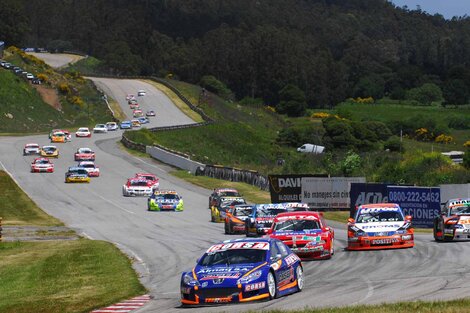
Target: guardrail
{"points": [[235, 174], [1, 219]]}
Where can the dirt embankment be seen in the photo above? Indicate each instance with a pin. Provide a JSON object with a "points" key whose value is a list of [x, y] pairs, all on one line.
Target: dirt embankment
{"points": [[50, 96]]}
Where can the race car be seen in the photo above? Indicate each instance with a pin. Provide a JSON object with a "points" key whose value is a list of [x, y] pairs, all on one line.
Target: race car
{"points": [[84, 154], [242, 270], [125, 125], [137, 186], [91, 168], [49, 152], [218, 213], [137, 113], [58, 136], [141, 92], [222, 192], [135, 122], [143, 120], [380, 226], [262, 217], [54, 131], [31, 148], [134, 105], [165, 200], [77, 175], [130, 97], [235, 218], [68, 136], [100, 128], [150, 113], [454, 221], [83, 132], [305, 233], [151, 179], [42, 165], [111, 126]]}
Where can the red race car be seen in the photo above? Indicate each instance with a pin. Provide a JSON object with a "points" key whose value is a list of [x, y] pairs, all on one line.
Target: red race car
{"points": [[152, 179], [42, 165], [380, 226], [84, 154], [305, 233]]}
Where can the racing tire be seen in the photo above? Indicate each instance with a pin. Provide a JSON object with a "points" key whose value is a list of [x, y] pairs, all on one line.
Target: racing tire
{"points": [[332, 248], [436, 237], [299, 275], [272, 285], [226, 229]]}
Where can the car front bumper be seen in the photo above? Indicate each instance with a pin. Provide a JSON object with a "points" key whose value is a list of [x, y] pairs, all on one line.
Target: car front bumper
{"points": [[385, 242]]}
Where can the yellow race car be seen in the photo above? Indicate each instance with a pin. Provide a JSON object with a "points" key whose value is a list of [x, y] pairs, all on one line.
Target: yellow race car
{"points": [[49, 152], [58, 137], [219, 212], [77, 175]]}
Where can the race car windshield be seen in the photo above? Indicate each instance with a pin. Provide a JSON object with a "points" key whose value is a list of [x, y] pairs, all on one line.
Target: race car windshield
{"points": [[138, 183], [49, 149], [79, 172], [232, 202], [42, 162], [168, 197], [88, 165], [379, 216], [235, 256], [148, 177], [84, 151], [296, 225], [242, 212], [460, 210], [229, 194], [269, 212]]}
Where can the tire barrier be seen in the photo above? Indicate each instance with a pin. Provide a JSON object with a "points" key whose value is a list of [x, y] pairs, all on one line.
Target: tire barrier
{"points": [[1, 219], [235, 174], [132, 145]]}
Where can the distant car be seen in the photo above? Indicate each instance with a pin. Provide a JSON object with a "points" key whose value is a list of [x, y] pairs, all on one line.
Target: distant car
{"points": [[380, 226], [135, 122], [311, 148], [235, 218], [7, 65], [219, 212], [137, 113], [54, 131], [152, 179], [68, 136], [125, 125], [130, 97], [453, 224], [134, 106], [111, 126], [305, 233], [242, 270], [42, 165], [165, 200], [150, 113], [77, 175], [84, 154], [143, 120], [49, 152], [218, 193], [100, 128], [36, 81], [83, 132], [137, 186], [91, 168], [141, 93], [29, 76], [31, 148], [58, 136]]}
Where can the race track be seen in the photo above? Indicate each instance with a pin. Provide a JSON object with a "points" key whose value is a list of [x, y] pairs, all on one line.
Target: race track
{"points": [[163, 244]]}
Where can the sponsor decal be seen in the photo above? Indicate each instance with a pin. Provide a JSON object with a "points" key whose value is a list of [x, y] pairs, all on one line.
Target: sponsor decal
{"points": [[222, 276], [218, 281], [286, 276], [385, 241], [291, 259], [448, 231], [255, 286], [186, 290], [376, 210], [239, 245], [224, 270], [380, 226]]}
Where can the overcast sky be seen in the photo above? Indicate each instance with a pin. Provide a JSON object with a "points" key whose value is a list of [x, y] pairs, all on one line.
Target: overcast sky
{"points": [[448, 8]]}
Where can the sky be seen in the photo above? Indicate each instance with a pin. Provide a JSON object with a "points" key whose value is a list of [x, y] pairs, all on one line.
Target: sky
{"points": [[447, 8]]}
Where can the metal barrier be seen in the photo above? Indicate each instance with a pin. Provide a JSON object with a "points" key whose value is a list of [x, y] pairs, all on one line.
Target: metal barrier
{"points": [[1, 219]]}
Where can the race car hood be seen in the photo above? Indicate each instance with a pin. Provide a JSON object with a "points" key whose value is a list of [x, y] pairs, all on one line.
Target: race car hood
{"points": [[227, 273], [76, 175], [300, 235], [381, 227]]}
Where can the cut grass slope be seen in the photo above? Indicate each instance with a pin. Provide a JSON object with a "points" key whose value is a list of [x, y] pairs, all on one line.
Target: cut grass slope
{"points": [[63, 276]]}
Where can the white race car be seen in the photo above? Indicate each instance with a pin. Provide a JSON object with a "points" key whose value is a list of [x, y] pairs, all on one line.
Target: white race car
{"points": [[83, 132], [137, 186], [112, 126], [91, 168], [31, 148], [100, 128]]}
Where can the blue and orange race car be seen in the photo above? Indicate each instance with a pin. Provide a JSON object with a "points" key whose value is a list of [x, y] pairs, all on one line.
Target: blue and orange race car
{"points": [[242, 270]]}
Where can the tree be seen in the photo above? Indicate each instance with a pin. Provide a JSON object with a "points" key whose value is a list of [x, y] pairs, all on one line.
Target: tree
{"points": [[292, 101], [426, 94], [455, 92], [370, 86]]}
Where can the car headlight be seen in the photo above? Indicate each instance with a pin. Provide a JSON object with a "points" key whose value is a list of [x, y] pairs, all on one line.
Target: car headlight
{"points": [[189, 280], [458, 226], [406, 237], [253, 276]]}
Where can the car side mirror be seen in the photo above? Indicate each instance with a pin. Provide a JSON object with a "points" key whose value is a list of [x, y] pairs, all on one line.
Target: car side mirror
{"points": [[276, 258], [350, 220], [327, 228], [408, 218], [270, 231]]}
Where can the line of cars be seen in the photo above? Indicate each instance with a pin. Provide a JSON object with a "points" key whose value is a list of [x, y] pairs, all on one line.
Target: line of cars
{"points": [[20, 72], [138, 115], [248, 269]]}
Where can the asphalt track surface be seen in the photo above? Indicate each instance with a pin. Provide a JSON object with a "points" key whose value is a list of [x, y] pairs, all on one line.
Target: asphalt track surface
{"points": [[163, 244]]}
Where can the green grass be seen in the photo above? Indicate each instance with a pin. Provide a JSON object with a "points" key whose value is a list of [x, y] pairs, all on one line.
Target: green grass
{"points": [[18, 209], [86, 66], [64, 276]]}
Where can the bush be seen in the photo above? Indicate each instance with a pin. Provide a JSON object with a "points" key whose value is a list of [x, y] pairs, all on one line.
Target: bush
{"points": [[393, 144], [292, 101], [64, 88], [43, 77], [459, 122], [216, 86], [466, 159]]}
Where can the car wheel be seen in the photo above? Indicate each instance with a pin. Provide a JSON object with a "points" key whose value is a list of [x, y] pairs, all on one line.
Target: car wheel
{"points": [[332, 248], [272, 285], [230, 228], [226, 229], [435, 231], [299, 273]]}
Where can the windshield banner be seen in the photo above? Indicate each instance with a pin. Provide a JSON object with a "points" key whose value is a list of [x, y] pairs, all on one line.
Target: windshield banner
{"points": [[422, 203]]}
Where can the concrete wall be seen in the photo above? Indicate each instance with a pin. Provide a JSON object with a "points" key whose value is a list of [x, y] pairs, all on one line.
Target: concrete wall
{"points": [[452, 191], [174, 159]]}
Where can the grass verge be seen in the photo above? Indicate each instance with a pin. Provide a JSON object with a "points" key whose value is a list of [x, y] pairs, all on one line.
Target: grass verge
{"points": [[18, 209], [63, 276], [177, 101], [118, 112]]}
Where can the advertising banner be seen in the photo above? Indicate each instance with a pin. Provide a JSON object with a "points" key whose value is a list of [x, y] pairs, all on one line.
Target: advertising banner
{"points": [[366, 193], [422, 203], [328, 192], [287, 188]]}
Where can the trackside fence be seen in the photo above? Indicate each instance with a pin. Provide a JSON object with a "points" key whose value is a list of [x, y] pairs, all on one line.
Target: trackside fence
{"points": [[235, 174]]}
